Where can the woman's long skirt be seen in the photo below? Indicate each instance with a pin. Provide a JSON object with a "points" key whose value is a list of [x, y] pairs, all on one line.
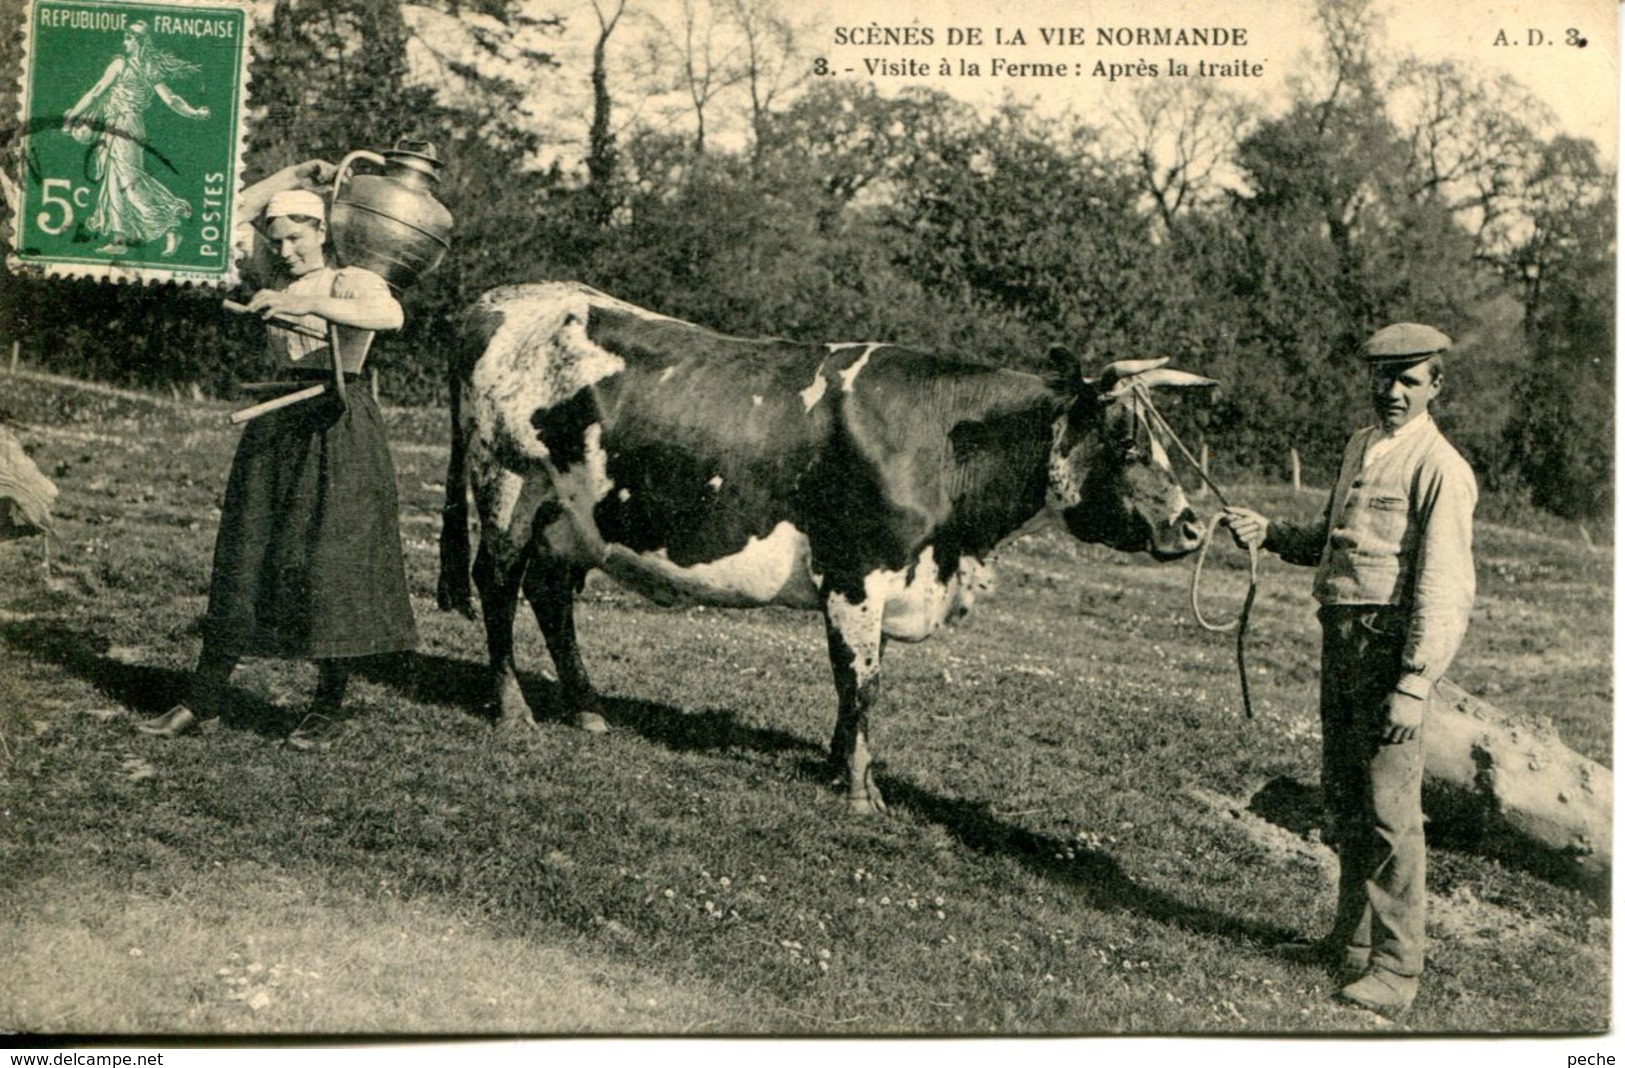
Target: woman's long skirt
{"points": [[308, 560]]}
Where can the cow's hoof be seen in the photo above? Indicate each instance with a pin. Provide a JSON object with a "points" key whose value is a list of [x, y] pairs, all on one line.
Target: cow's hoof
{"points": [[871, 805], [592, 723], [515, 725]]}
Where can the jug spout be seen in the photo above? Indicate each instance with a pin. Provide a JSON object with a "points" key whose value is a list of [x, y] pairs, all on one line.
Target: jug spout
{"points": [[414, 162]]}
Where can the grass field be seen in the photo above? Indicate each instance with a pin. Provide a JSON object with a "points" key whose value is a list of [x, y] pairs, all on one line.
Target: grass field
{"points": [[1078, 842]]}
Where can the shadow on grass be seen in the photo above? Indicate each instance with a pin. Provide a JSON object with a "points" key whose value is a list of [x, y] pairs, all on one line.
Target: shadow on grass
{"points": [[709, 730], [145, 691], [1290, 805], [462, 684], [431, 679], [1094, 874], [434, 679]]}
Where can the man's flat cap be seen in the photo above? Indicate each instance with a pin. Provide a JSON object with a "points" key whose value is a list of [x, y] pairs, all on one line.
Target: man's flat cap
{"points": [[1404, 342]]}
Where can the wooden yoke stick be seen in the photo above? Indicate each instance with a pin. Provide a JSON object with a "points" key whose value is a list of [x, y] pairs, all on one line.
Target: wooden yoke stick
{"points": [[283, 322]]}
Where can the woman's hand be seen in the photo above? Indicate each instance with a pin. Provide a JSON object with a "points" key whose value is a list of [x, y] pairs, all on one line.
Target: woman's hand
{"points": [[270, 303], [315, 175]]}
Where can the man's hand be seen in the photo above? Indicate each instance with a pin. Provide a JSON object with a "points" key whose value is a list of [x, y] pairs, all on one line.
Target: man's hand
{"points": [[1247, 527], [1404, 717]]}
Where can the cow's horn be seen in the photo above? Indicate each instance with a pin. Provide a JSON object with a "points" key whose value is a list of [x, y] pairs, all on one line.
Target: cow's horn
{"points": [[1118, 370], [1167, 376]]}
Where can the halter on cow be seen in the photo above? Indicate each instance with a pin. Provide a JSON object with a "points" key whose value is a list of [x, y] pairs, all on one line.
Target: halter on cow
{"points": [[868, 481]]}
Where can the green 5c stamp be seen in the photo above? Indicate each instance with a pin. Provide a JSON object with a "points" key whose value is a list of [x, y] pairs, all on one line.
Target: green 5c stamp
{"points": [[132, 120]]}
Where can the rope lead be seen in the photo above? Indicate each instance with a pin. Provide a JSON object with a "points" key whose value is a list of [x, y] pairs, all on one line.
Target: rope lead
{"points": [[1239, 624]]}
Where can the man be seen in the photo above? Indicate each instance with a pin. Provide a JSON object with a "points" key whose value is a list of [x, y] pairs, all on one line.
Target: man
{"points": [[1395, 584]]}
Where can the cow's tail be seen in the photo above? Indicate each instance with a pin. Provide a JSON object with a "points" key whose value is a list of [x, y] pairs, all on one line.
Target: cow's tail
{"points": [[454, 591]]}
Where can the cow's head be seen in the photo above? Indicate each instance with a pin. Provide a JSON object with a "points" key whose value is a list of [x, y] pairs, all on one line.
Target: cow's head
{"points": [[1109, 472]]}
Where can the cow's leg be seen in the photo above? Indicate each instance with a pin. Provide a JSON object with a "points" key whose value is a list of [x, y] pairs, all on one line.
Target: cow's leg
{"points": [[856, 643], [498, 577], [551, 584]]}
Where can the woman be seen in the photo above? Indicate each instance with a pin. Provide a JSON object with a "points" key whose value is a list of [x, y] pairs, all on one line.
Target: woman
{"points": [[132, 205], [307, 562]]}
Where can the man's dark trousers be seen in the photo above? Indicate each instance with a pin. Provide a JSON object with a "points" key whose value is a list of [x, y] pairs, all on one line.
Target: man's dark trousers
{"points": [[1373, 791]]}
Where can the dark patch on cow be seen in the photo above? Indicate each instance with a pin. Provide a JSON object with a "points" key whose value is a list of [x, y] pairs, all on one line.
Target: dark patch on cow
{"points": [[562, 429], [708, 436], [547, 513], [961, 492]]}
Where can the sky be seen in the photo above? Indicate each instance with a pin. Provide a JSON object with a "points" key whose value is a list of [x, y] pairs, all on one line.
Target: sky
{"points": [[1538, 46]]}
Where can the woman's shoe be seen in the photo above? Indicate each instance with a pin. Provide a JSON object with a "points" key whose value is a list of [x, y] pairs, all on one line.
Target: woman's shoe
{"points": [[172, 724], [318, 730]]}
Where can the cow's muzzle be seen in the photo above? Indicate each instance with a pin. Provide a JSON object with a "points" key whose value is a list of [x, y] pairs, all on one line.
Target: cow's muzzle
{"points": [[1181, 536]]}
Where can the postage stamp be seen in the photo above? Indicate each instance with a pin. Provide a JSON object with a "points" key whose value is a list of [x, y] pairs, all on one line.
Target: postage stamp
{"points": [[133, 123]]}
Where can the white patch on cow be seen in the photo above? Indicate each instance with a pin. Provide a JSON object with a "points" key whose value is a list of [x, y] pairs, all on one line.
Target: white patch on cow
{"points": [[755, 400], [913, 609], [815, 392], [537, 357], [850, 375], [1064, 490], [496, 490], [668, 372], [776, 569], [860, 624], [624, 495], [507, 503], [715, 483], [919, 607]]}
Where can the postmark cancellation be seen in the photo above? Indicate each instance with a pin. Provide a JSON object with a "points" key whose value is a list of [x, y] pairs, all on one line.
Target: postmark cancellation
{"points": [[133, 116]]}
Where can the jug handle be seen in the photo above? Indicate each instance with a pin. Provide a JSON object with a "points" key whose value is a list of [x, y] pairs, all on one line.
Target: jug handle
{"points": [[344, 166]]}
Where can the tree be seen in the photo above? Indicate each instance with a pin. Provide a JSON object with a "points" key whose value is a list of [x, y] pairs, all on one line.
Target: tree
{"points": [[481, 60], [1181, 136], [602, 156], [701, 57], [1028, 215], [1474, 143], [1566, 267], [331, 76], [850, 142], [771, 57]]}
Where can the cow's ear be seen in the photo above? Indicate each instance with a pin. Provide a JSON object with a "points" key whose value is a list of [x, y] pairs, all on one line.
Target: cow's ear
{"points": [[1063, 373]]}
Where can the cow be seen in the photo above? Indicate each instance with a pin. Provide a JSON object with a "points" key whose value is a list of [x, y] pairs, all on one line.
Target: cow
{"points": [[871, 482]]}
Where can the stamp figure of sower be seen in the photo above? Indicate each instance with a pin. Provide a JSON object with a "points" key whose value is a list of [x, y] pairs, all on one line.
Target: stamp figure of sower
{"points": [[132, 205]]}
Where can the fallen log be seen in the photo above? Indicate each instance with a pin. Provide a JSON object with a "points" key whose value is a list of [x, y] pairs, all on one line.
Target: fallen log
{"points": [[1506, 786]]}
